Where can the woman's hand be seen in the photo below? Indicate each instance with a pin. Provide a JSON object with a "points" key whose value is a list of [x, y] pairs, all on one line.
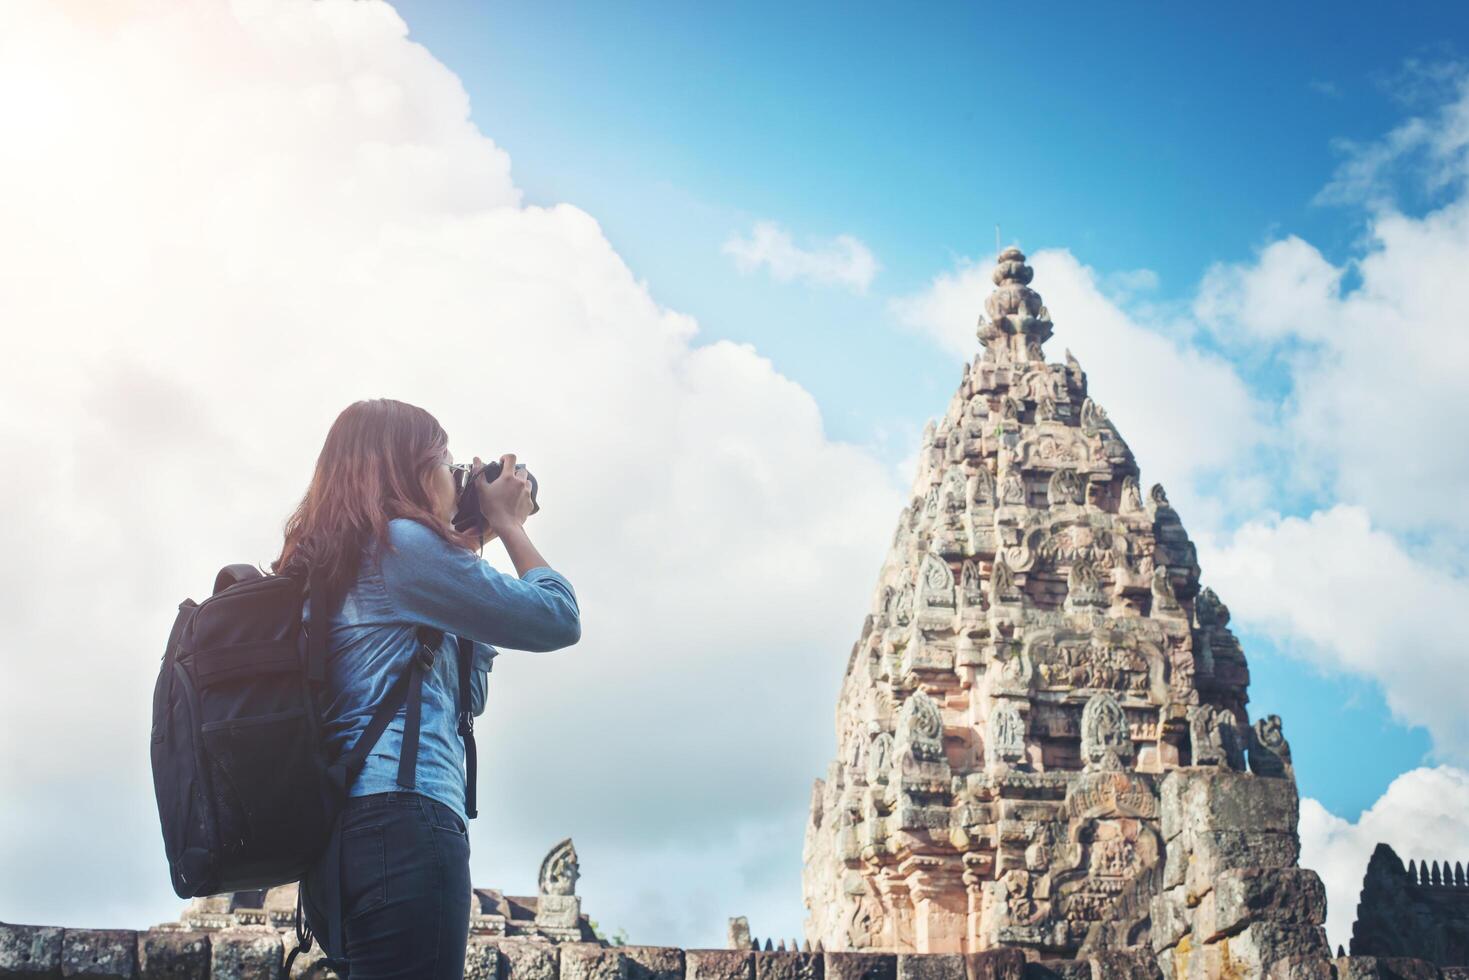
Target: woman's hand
{"points": [[506, 502]]}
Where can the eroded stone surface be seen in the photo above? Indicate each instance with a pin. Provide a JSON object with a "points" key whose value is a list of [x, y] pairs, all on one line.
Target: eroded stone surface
{"points": [[789, 966], [246, 954], [524, 960], [30, 951], [934, 966], [589, 961], [173, 955], [106, 954], [1039, 660], [720, 964], [481, 959], [996, 964]]}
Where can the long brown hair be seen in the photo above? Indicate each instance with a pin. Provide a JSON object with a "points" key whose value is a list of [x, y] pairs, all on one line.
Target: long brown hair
{"points": [[375, 465]]}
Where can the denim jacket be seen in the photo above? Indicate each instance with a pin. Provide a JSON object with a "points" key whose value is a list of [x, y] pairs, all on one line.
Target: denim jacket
{"points": [[421, 579]]}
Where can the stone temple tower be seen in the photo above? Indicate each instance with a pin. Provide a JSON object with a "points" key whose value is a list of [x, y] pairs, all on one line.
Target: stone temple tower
{"points": [[1038, 658]]}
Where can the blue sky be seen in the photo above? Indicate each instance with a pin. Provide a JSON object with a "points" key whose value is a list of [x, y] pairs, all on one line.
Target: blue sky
{"points": [[1170, 139], [1166, 139]]}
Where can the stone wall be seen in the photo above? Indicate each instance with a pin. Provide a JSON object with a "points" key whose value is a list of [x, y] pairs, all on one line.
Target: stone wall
{"points": [[256, 953], [1421, 910]]}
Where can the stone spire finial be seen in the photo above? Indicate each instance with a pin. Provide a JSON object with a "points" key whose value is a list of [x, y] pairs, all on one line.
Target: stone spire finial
{"points": [[1017, 323]]}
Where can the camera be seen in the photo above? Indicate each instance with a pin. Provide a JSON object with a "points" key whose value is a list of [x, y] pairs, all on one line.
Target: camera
{"points": [[466, 515]]}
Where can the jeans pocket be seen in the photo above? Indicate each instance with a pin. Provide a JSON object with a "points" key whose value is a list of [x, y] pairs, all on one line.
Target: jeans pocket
{"points": [[364, 871], [444, 818]]}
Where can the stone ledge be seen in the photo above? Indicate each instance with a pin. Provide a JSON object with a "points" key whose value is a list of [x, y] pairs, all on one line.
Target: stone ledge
{"points": [[861, 966], [719, 964], [30, 951]]}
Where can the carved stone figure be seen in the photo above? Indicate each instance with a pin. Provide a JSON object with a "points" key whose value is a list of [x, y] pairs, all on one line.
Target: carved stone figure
{"points": [[1132, 497], [1215, 736], [880, 758], [1269, 751], [560, 870], [1083, 589], [1002, 582], [1012, 487], [1105, 741], [1006, 733], [937, 582], [1064, 488], [921, 727]]}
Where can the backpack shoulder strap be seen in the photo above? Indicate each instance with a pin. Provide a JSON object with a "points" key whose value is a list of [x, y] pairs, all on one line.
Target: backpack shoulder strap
{"points": [[234, 575], [466, 725]]}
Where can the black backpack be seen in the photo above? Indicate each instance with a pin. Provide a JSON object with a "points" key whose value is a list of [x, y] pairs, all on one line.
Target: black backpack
{"points": [[247, 795]]}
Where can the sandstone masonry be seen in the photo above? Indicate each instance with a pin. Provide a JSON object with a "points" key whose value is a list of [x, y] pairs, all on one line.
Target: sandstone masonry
{"points": [[1042, 732]]}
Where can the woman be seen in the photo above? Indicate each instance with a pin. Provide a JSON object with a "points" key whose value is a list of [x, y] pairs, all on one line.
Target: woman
{"points": [[377, 522]]}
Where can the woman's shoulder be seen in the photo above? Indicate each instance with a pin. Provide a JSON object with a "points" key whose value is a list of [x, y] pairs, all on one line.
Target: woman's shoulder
{"points": [[408, 538]]}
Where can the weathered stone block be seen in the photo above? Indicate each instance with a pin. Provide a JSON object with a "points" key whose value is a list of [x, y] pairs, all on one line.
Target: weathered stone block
{"points": [[102, 953], [528, 961], [1255, 949], [169, 955], [481, 959], [1212, 853], [653, 962], [790, 966], [246, 954], [931, 966], [1281, 896], [1059, 970], [861, 966], [1170, 919], [1385, 968], [719, 964], [30, 951], [1117, 965], [1197, 857], [1301, 968], [588, 961], [996, 964], [1212, 799]]}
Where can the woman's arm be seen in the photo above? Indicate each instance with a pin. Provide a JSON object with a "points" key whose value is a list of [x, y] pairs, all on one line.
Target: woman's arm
{"points": [[433, 582]]}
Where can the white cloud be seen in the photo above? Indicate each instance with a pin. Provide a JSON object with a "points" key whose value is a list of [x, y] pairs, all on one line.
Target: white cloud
{"points": [[1423, 815], [1336, 591], [238, 218], [840, 261], [1377, 372], [1432, 150]]}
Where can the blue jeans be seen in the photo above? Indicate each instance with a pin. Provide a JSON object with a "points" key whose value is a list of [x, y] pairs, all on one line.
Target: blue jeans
{"points": [[404, 888]]}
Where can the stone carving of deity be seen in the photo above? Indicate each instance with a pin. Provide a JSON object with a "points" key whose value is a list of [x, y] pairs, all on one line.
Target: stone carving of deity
{"points": [[1002, 582], [1132, 497], [982, 485], [1106, 743], [880, 758], [1164, 600], [1012, 487], [1064, 488], [1083, 588], [938, 582], [920, 728], [1006, 733]]}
